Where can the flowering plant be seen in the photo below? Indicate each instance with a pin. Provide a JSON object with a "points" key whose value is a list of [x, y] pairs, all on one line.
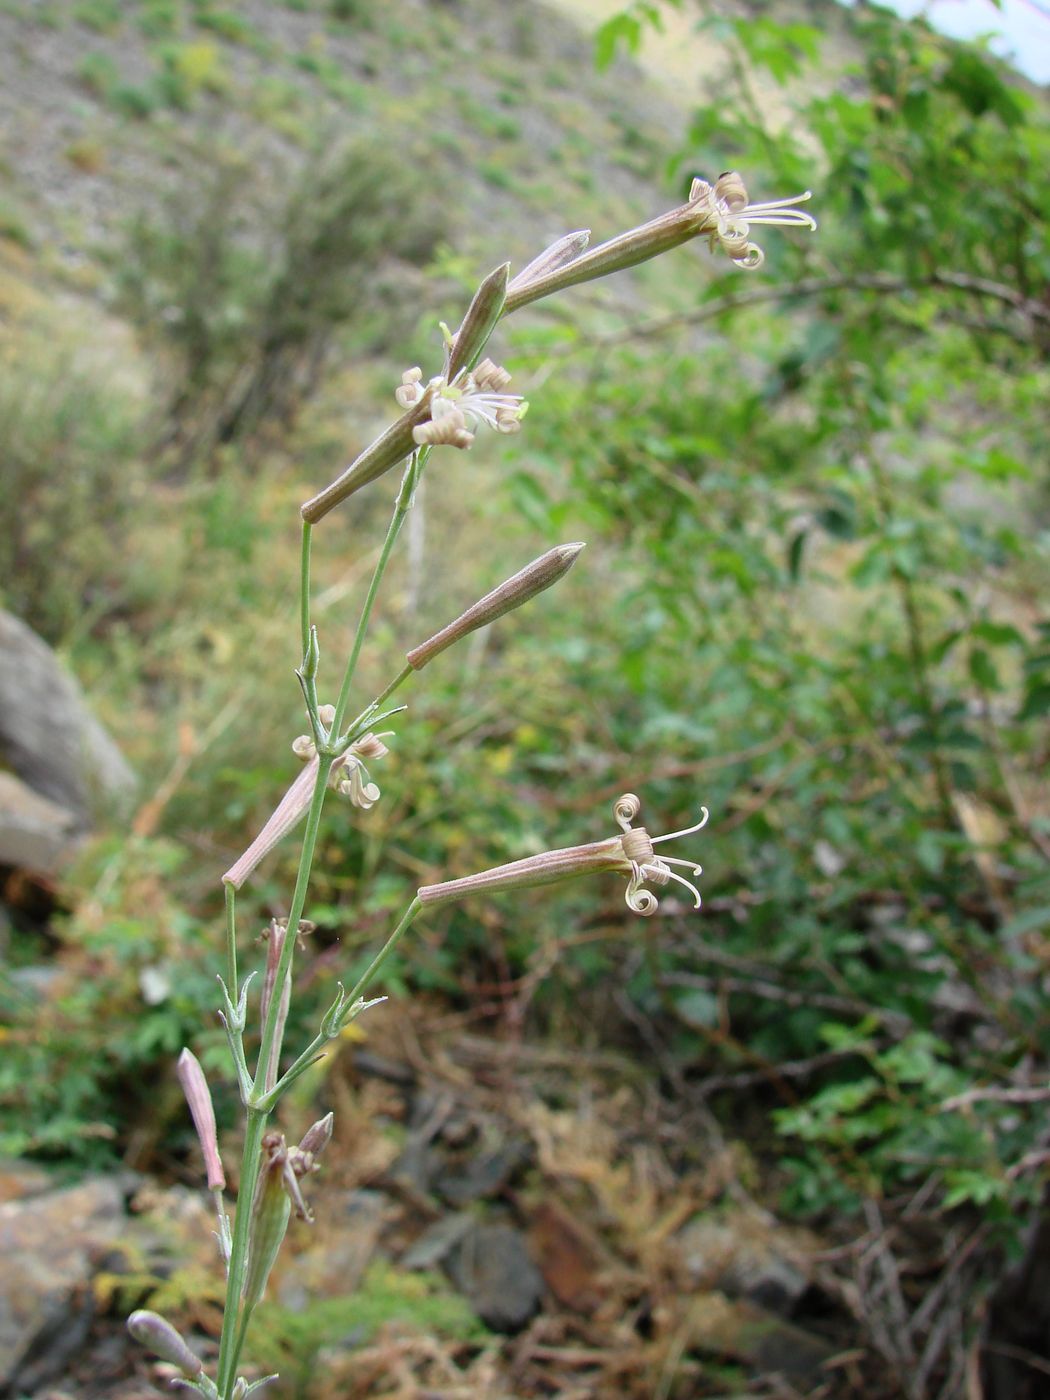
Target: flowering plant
{"points": [[447, 410]]}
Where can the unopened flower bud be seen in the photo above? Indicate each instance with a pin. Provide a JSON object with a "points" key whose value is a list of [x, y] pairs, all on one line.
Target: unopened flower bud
{"points": [[271, 1208], [479, 322], [410, 390], [195, 1087], [376, 460], [533, 579], [158, 1336], [285, 818], [317, 1137], [564, 250]]}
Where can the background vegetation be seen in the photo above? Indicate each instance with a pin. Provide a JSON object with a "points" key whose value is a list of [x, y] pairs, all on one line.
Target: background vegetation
{"points": [[814, 598]]}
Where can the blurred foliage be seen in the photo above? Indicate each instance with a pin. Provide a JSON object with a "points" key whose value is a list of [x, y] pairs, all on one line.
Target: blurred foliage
{"points": [[70, 475], [844, 520], [242, 290], [290, 1340]]}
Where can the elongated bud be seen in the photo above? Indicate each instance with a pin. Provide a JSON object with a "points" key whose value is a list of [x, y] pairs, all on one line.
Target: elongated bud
{"points": [[564, 250], [276, 934], [637, 245], [317, 1138], [271, 1209], [312, 659], [195, 1087], [547, 868], [510, 594], [391, 447], [159, 1337], [479, 322], [286, 816]]}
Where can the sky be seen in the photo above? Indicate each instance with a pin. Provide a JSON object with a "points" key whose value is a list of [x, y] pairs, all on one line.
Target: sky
{"points": [[1022, 27]]}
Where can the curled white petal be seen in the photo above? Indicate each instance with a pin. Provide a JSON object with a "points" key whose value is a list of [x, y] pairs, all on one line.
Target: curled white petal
{"points": [[640, 900]]}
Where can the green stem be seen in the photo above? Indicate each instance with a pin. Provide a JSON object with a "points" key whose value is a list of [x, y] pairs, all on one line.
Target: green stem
{"points": [[407, 919], [309, 1055], [232, 1332], [267, 1048], [368, 716], [401, 508], [231, 943], [304, 587]]}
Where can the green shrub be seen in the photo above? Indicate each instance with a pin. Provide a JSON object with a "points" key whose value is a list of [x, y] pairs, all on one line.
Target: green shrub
{"points": [[228, 280], [69, 471]]}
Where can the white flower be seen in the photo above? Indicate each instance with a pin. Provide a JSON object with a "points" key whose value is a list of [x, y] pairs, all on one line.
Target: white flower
{"points": [[727, 200], [456, 409], [349, 776], [646, 866], [631, 854]]}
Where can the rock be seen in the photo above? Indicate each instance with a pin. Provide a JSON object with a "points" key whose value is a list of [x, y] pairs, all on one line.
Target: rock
{"points": [[35, 833], [52, 1245], [482, 1175], [734, 1328], [20, 1179], [48, 737], [491, 1265], [438, 1241], [746, 1255]]}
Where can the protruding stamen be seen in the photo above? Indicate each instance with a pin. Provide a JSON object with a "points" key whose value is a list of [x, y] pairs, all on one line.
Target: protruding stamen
{"points": [[686, 830], [410, 390], [670, 875]]}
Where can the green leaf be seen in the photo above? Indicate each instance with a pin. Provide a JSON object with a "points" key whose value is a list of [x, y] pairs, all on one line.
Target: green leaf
{"points": [[983, 670], [623, 29]]}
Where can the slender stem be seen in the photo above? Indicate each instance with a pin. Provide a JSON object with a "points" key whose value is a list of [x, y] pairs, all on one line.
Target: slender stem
{"points": [[251, 1157], [269, 1048], [231, 943], [293, 1072], [304, 587], [407, 919], [309, 1055], [368, 716], [238, 1346], [398, 680], [401, 507]]}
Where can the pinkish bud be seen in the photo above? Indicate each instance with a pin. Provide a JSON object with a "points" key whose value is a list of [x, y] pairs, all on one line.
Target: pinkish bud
{"points": [[510, 594], [479, 322], [271, 1208], [286, 816], [159, 1337], [564, 250], [195, 1087], [317, 1138]]}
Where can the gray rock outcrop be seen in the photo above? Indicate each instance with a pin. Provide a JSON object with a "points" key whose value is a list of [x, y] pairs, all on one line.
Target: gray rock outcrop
{"points": [[64, 767]]}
